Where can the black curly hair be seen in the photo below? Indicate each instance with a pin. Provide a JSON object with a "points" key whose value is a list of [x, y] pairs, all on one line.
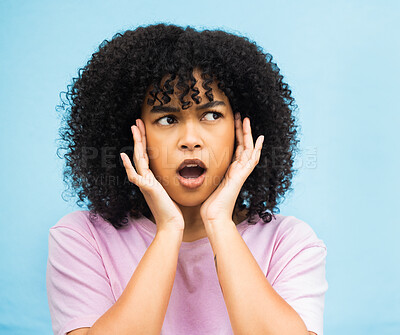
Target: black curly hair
{"points": [[105, 99]]}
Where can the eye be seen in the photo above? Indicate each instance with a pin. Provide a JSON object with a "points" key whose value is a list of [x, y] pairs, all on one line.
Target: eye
{"points": [[214, 112], [167, 117]]}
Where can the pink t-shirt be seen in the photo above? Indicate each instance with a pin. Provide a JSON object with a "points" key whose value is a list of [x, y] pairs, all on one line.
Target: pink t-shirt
{"points": [[89, 265]]}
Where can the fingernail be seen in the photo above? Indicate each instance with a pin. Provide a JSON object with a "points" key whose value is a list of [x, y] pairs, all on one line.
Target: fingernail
{"points": [[237, 116], [136, 122]]}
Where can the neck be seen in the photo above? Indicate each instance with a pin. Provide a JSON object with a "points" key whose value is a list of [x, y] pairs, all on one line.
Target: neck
{"points": [[194, 226]]}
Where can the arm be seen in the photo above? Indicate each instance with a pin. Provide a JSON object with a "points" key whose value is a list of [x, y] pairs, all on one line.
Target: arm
{"points": [[252, 303], [142, 306]]}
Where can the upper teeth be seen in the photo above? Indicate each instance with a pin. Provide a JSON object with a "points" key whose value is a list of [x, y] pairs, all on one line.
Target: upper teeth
{"points": [[191, 165]]}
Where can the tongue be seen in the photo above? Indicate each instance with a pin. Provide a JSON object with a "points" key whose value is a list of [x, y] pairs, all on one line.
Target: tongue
{"points": [[191, 172]]}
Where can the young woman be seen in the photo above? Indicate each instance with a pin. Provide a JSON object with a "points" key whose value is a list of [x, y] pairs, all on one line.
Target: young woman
{"points": [[183, 238]]}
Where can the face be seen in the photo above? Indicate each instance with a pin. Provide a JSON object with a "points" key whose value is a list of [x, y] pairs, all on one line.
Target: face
{"points": [[199, 132]]}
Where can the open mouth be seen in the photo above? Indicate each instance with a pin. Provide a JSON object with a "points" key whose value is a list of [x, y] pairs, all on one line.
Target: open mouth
{"points": [[191, 172], [192, 177]]}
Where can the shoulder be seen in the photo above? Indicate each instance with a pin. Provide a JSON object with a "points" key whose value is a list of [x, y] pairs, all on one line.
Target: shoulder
{"points": [[77, 225], [83, 220], [72, 235], [285, 232], [296, 231], [78, 221], [83, 225]]}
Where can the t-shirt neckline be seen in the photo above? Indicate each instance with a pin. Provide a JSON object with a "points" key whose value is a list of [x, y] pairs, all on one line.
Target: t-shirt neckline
{"points": [[152, 228]]}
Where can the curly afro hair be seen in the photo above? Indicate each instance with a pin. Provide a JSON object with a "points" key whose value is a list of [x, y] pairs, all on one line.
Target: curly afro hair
{"points": [[105, 99]]}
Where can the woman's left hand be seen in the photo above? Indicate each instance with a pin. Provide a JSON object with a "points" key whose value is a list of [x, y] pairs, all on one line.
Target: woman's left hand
{"points": [[220, 204]]}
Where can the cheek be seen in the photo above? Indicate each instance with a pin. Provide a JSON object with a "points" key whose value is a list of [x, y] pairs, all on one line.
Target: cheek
{"points": [[223, 158], [161, 160], [155, 147], [224, 146], [230, 142], [154, 152]]}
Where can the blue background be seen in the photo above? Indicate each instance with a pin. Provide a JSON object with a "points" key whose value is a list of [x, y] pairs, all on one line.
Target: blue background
{"points": [[341, 61]]}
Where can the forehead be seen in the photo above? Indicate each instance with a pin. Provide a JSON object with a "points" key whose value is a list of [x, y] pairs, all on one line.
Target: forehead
{"points": [[219, 97]]}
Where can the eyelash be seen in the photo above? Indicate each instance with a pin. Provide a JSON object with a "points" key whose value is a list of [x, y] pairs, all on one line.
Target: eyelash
{"points": [[173, 116]]}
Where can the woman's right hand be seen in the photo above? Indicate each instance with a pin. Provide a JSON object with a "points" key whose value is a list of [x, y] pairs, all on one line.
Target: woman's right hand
{"points": [[166, 213]]}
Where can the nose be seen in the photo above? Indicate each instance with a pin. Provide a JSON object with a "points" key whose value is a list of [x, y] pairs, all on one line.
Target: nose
{"points": [[190, 138]]}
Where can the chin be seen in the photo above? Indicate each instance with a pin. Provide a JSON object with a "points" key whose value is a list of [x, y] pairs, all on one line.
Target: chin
{"points": [[190, 200]]}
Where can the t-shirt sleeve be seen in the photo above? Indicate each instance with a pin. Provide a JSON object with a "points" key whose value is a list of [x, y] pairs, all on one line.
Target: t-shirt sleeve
{"points": [[300, 275], [78, 288]]}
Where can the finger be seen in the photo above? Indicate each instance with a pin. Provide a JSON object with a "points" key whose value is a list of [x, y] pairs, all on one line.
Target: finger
{"points": [[139, 158], [130, 170], [142, 129], [239, 137], [247, 136], [257, 149], [248, 146], [136, 153]]}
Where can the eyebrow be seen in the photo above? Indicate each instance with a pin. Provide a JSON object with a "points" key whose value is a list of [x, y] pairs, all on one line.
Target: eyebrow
{"points": [[166, 109]]}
